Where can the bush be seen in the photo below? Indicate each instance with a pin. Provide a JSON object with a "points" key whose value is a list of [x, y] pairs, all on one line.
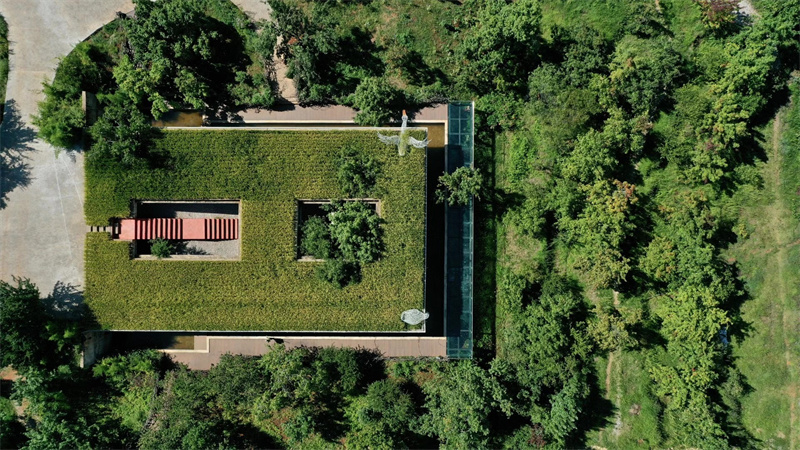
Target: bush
{"points": [[160, 248], [121, 132], [338, 272], [60, 118], [458, 187], [357, 173], [316, 239], [376, 100]]}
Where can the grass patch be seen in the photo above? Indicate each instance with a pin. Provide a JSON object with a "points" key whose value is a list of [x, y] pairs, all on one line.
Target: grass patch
{"points": [[268, 289], [604, 16], [635, 422], [769, 262]]}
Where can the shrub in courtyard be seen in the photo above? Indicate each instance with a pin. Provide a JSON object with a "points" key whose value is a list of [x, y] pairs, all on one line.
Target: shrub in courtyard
{"points": [[356, 172], [160, 248], [316, 240], [458, 187]]}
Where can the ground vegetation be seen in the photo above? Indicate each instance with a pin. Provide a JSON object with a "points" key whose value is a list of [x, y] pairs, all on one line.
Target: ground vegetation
{"points": [[634, 245]]}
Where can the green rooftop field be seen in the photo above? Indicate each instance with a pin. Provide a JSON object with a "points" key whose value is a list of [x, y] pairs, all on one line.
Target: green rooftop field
{"points": [[268, 289]]}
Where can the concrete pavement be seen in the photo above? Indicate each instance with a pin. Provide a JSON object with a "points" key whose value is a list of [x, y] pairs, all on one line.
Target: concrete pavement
{"points": [[42, 230], [208, 349]]}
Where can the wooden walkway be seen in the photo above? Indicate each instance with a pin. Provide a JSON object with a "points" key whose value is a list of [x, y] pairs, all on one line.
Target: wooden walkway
{"points": [[208, 349], [323, 115]]}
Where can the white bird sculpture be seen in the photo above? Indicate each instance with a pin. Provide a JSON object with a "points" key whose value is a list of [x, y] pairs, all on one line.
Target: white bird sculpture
{"points": [[414, 316], [403, 140]]}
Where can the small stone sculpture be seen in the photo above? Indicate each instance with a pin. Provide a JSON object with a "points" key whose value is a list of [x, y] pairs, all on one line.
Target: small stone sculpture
{"points": [[414, 316]]}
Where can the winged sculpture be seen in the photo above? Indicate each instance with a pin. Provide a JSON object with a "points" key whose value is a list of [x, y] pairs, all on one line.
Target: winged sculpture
{"points": [[404, 139]]}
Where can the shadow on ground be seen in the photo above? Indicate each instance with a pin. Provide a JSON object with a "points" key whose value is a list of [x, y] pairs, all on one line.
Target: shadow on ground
{"points": [[15, 140], [65, 302]]}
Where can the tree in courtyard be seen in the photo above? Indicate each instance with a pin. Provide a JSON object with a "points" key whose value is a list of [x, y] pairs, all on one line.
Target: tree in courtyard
{"points": [[356, 231], [459, 187]]}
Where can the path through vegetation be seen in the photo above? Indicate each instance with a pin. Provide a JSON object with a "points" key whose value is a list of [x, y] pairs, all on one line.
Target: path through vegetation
{"points": [[768, 259], [781, 216]]}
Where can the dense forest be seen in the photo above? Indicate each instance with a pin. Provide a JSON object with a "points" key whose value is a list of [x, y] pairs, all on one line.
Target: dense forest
{"points": [[636, 242]]}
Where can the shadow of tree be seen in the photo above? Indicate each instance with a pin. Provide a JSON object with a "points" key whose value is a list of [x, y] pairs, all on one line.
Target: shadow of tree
{"points": [[65, 302], [15, 139]]}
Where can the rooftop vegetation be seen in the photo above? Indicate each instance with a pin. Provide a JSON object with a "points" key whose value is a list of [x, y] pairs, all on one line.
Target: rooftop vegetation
{"points": [[268, 289]]}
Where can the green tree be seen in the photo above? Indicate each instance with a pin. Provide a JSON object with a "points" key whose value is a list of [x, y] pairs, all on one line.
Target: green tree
{"points": [[612, 328], [460, 406], [60, 118], [121, 133], [501, 47], [377, 102], [459, 187], [601, 230], [179, 54], [547, 354], [382, 418], [356, 231], [718, 13], [118, 371], [644, 72], [22, 327]]}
